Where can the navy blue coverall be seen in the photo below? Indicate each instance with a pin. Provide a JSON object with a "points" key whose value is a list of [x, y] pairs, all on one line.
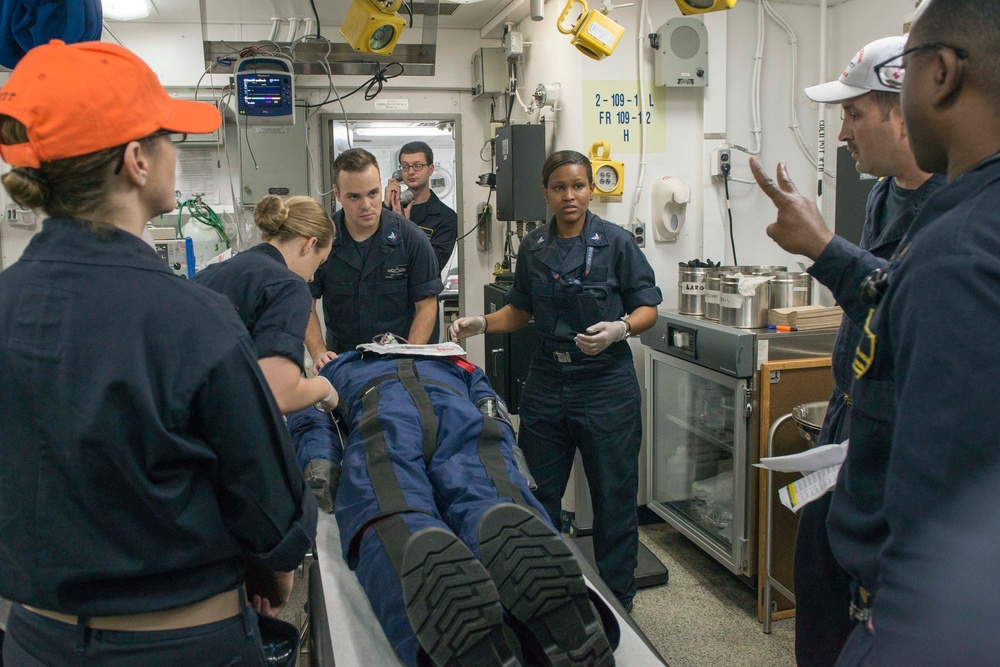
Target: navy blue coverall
{"points": [[572, 400], [273, 302], [364, 301], [440, 223], [443, 468], [143, 461], [822, 587], [929, 357]]}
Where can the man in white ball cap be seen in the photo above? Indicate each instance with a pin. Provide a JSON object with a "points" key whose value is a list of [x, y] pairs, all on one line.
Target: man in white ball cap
{"points": [[831, 559]]}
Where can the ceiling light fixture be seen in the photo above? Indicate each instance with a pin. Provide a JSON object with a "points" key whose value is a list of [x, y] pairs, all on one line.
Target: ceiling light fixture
{"points": [[402, 132], [127, 10]]}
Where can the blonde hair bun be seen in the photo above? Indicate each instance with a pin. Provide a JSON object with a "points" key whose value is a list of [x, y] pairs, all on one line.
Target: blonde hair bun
{"points": [[270, 214]]}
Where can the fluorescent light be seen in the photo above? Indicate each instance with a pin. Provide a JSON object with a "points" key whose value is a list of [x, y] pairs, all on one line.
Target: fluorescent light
{"points": [[401, 132], [126, 10]]}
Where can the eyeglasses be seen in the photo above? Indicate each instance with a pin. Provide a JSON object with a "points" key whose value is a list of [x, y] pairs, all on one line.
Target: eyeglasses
{"points": [[175, 137], [892, 71], [418, 167]]}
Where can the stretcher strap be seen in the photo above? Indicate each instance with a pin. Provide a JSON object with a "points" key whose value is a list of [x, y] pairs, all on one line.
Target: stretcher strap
{"points": [[492, 460], [428, 420], [394, 533], [359, 394], [388, 524]]}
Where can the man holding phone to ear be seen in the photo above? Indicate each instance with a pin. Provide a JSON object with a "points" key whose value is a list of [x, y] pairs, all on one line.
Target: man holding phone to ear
{"points": [[439, 222], [421, 205]]}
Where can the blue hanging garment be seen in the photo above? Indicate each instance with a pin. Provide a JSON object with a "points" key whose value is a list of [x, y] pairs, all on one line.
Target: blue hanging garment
{"points": [[25, 24]]}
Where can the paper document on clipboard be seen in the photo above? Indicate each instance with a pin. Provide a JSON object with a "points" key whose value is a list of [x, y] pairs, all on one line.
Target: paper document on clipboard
{"points": [[810, 460], [823, 465]]}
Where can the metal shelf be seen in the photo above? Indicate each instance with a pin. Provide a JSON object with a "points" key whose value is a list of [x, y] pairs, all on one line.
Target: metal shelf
{"points": [[704, 435]]}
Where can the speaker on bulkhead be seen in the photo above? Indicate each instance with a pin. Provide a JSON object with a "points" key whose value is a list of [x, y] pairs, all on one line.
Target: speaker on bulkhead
{"points": [[682, 61]]}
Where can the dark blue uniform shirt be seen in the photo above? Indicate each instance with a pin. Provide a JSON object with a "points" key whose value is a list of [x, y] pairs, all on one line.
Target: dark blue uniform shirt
{"points": [[600, 280], [440, 223], [142, 457], [364, 301], [842, 267], [928, 357], [273, 302]]}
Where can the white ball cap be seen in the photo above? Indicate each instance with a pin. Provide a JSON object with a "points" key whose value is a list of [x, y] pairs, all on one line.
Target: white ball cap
{"points": [[859, 76]]}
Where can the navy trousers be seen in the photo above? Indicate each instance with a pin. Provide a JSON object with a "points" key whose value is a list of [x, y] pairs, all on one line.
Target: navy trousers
{"points": [[592, 404], [822, 591], [37, 641]]}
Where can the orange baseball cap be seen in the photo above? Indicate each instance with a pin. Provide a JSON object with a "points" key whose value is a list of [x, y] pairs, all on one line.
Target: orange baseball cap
{"points": [[76, 99]]}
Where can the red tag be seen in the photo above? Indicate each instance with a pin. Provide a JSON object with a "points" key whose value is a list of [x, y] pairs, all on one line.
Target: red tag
{"points": [[464, 364]]}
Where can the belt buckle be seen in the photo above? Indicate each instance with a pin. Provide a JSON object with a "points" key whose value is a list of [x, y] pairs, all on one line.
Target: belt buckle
{"points": [[563, 357], [858, 613]]}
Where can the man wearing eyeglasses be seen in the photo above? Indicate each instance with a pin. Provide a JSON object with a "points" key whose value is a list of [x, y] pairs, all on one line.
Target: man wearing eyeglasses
{"points": [[934, 333], [425, 209], [874, 131]]}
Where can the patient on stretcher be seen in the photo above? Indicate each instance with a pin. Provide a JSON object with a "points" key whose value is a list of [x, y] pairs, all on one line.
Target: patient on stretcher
{"points": [[457, 558]]}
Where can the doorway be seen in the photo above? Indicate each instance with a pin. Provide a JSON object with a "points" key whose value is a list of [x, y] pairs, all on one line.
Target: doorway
{"points": [[382, 135]]}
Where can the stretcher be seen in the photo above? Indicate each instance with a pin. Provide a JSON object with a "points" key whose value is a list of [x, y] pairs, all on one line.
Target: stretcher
{"points": [[344, 631]]}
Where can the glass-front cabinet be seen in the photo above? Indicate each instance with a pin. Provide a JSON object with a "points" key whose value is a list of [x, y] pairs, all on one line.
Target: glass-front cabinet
{"points": [[698, 419]]}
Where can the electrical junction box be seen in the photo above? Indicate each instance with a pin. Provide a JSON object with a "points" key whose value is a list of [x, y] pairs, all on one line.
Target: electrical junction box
{"points": [[272, 162], [682, 60], [489, 72], [520, 151], [187, 256], [609, 176]]}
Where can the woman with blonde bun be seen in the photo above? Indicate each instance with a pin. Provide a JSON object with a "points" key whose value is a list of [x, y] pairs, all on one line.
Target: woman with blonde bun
{"points": [[267, 284]]}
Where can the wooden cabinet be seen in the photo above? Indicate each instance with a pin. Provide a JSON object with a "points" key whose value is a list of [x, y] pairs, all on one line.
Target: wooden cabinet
{"points": [[783, 385]]}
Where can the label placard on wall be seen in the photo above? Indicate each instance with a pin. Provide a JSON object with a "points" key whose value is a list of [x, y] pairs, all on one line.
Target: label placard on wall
{"points": [[611, 113]]}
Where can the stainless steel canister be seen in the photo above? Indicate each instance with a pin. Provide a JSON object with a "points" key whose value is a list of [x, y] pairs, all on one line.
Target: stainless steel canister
{"points": [[712, 279], [691, 290], [745, 312], [764, 270], [791, 288]]}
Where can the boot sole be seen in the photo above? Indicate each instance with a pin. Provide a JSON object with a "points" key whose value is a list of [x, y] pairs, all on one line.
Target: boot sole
{"points": [[541, 586], [452, 603]]}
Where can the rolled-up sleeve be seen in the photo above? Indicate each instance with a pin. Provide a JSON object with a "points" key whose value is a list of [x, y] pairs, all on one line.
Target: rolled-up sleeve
{"points": [[423, 275], [636, 278], [263, 498], [281, 327], [519, 294]]}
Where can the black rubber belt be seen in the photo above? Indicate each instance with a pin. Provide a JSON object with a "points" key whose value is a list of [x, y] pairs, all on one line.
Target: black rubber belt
{"points": [[488, 449], [425, 409]]}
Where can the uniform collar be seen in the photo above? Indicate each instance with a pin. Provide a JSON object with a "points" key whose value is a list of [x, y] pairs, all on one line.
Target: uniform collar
{"points": [[895, 229], [71, 240], [387, 237], [544, 247], [271, 252], [433, 203], [593, 233]]}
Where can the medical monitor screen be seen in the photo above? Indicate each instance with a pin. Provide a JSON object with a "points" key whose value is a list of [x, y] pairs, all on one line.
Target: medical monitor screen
{"points": [[265, 94]]}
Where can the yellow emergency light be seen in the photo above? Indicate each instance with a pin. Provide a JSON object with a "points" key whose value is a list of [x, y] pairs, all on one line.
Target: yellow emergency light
{"points": [[689, 7], [609, 176], [593, 33], [371, 26]]}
